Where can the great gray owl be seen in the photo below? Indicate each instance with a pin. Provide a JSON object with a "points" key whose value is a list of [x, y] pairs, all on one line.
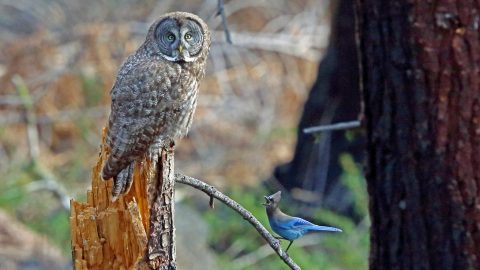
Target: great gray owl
{"points": [[155, 93]]}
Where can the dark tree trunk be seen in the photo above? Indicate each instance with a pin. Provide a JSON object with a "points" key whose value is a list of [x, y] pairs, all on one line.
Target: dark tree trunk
{"points": [[334, 97], [420, 71]]}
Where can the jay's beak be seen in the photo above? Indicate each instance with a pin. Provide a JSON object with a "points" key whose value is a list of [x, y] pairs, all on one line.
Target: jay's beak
{"points": [[266, 201]]}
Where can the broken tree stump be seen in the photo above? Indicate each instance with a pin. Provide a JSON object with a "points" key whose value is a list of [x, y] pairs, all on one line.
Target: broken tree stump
{"points": [[134, 232]]}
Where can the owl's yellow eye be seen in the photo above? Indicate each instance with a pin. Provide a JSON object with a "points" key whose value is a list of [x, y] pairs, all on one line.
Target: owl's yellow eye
{"points": [[171, 37], [188, 36]]}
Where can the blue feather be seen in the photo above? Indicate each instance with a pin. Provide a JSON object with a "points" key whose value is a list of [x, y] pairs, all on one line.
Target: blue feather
{"points": [[292, 228], [288, 227]]}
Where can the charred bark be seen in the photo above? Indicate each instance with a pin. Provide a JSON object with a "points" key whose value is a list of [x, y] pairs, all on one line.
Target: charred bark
{"points": [[161, 240], [420, 71], [334, 97]]}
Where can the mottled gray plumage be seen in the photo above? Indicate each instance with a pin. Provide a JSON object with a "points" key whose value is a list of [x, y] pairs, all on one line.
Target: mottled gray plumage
{"points": [[155, 93]]}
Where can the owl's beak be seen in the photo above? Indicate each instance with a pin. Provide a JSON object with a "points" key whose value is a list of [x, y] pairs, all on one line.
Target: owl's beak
{"points": [[180, 49]]}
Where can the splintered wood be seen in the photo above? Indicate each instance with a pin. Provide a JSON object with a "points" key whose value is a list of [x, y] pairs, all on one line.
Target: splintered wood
{"points": [[113, 235]]}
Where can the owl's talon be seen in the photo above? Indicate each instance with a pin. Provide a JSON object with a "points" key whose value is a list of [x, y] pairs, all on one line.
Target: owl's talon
{"points": [[114, 198], [122, 182], [117, 188], [128, 179]]}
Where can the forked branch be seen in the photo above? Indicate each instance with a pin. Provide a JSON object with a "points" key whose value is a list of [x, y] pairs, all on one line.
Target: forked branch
{"points": [[213, 192]]}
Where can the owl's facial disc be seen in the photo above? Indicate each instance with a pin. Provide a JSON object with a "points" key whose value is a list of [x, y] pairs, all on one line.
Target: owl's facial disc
{"points": [[168, 38], [179, 40], [183, 48], [191, 40]]}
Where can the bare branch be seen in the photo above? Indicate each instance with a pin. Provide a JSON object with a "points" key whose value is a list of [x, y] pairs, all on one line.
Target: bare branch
{"points": [[307, 46], [10, 100], [50, 184], [213, 192], [8, 118], [31, 118], [221, 12], [275, 42], [336, 126]]}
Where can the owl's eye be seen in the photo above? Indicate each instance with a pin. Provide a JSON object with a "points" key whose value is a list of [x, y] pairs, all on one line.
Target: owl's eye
{"points": [[170, 37], [188, 36]]}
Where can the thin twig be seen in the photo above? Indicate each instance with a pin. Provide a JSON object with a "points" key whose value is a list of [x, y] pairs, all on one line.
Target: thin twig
{"points": [[306, 46], [51, 185], [31, 118], [10, 100], [336, 126], [9, 118], [221, 12], [49, 182], [213, 192], [212, 202], [275, 42]]}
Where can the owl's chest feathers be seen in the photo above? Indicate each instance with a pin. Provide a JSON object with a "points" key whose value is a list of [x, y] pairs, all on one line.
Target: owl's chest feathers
{"points": [[176, 93], [174, 82]]}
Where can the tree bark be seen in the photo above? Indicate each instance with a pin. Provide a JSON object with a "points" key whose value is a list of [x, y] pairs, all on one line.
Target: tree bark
{"points": [[334, 97], [134, 232], [420, 63], [161, 241]]}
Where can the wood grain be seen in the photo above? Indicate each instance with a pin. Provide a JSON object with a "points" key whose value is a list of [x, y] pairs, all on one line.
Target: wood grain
{"points": [[113, 235]]}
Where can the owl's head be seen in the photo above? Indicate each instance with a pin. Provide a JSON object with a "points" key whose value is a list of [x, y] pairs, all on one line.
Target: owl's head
{"points": [[180, 36]]}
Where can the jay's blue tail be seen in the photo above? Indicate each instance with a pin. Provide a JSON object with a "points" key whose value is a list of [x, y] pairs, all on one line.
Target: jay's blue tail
{"points": [[324, 228]]}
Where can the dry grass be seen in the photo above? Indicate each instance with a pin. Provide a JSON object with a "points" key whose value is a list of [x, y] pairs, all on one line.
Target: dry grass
{"points": [[67, 52]]}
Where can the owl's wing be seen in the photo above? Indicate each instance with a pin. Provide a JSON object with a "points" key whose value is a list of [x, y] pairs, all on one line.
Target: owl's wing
{"points": [[136, 102]]}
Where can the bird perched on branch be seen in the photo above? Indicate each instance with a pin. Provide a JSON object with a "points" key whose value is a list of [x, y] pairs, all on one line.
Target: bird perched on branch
{"points": [[288, 227], [155, 94]]}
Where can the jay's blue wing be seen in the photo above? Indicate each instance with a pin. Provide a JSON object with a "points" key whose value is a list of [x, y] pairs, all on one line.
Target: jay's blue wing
{"points": [[300, 223]]}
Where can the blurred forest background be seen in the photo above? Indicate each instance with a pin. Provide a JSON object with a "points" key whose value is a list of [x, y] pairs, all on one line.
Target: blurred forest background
{"points": [[58, 61]]}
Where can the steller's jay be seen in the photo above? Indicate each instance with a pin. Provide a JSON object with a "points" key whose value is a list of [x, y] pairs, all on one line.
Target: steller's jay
{"points": [[288, 227]]}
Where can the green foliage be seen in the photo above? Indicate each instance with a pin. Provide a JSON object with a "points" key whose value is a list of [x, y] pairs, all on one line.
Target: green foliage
{"points": [[38, 210], [56, 225], [353, 178], [239, 246], [92, 89]]}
